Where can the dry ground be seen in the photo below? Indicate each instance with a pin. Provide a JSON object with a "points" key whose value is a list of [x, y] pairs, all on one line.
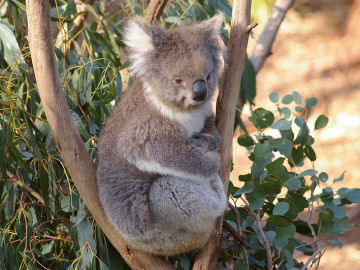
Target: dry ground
{"points": [[313, 56]]}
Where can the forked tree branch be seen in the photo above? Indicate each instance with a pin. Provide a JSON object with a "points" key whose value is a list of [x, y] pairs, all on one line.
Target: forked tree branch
{"points": [[262, 48], [154, 10], [70, 145], [225, 114]]}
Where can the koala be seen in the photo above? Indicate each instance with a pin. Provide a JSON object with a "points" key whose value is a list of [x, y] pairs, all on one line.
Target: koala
{"points": [[158, 163]]}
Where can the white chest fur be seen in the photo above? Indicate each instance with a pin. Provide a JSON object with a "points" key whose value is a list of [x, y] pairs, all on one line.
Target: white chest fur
{"points": [[192, 120]]}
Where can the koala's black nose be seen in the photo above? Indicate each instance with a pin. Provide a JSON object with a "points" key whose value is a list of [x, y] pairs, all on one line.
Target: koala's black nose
{"points": [[199, 90]]}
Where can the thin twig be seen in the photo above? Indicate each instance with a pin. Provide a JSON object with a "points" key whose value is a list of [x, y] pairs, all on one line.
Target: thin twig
{"points": [[309, 260], [239, 237], [239, 230], [19, 182], [237, 217], [267, 246], [315, 241], [262, 48]]}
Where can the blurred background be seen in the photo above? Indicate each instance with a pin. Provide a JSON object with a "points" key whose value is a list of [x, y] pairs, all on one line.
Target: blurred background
{"points": [[317, 53]]}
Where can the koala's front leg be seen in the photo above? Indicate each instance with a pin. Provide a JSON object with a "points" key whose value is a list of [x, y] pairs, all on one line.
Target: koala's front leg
{"points": [[207, 141], [177, 156], [209, 137]]}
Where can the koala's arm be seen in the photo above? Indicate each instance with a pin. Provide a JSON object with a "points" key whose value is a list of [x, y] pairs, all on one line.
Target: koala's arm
{"points": [[209, 137], [177, 156]]}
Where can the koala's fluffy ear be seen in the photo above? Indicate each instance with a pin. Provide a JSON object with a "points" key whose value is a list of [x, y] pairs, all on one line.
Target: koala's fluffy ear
{"points": [[213, 26], [138, 38]]}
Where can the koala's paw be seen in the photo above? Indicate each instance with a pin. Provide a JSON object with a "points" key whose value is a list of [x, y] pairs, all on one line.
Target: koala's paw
{"points": [[207, 141]]}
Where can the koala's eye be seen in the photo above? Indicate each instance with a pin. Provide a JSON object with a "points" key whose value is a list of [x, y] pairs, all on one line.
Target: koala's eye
{"points": [[178, 81], [208, 77]]}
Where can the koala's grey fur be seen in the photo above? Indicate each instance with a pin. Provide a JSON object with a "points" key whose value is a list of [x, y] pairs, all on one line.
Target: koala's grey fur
{"points": [[158, 164]]}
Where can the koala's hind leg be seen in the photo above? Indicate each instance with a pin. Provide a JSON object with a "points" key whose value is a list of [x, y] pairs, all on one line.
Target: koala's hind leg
{"points": [[186, 209]]}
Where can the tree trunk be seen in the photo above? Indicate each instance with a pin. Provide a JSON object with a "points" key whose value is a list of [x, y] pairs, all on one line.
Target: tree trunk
{"points": [[225, 114]]}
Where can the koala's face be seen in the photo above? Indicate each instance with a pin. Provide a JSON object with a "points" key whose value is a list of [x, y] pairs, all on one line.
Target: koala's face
{"points": [[179, 67]]}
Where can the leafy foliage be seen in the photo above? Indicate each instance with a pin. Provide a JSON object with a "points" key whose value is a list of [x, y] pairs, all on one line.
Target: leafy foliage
{"points": [[43, 221], [283, 205]]}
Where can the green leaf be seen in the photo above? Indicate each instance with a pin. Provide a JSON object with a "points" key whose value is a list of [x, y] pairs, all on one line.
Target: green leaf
{"points": [[262, 118], [256, 198], [310, 153], [248, 82], [279, 221], [70, 203], [246, 188], [262, 149], [85, 234], [297, 97], [353, 195], [278, 169], [335, 242], [11, 47], [270, 235], [281, 208], [287, 99], [274, 97], [341, 226], [311, 102], [340, 178], [284, 146], [321, 122], [287, 134], [299, 108], [293, 184], [245, 140], [307, 173], [118, 84], [258, 167], [323, 177], [281, 124], [185, 262]]}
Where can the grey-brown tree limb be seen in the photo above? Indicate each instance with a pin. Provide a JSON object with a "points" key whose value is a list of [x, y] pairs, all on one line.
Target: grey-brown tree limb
{"points": [[154, 10], [225, 114], [263, 45], [69, 143]]}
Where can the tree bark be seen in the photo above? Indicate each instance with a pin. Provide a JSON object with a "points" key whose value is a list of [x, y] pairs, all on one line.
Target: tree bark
{"points": [[225, 114], [70, 145], [154, 10], [262, 48]]}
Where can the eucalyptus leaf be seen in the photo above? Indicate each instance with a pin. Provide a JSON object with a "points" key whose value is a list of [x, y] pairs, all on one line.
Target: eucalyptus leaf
{"points": [[321, 122]]}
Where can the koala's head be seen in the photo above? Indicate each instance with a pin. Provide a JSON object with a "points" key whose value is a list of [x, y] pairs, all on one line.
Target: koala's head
{"points": [[178, 67]]}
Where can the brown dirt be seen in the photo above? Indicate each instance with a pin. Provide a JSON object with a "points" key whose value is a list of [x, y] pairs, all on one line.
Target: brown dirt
{"points": [[314, 57]]}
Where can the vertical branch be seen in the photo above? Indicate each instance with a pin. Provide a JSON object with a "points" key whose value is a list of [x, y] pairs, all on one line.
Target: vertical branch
{"points": [[69, 143], [262, 48], [154, 10], [207, 258]]}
